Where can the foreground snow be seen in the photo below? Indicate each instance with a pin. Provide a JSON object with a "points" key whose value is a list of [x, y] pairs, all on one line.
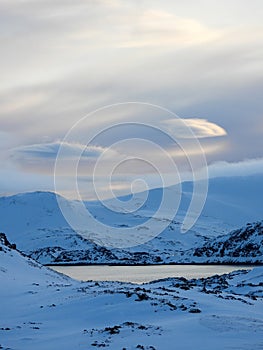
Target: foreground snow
{"points": [[43, 310]]}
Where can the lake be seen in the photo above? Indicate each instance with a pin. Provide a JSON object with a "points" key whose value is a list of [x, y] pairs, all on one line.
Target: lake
{"points": [[142, 274]]}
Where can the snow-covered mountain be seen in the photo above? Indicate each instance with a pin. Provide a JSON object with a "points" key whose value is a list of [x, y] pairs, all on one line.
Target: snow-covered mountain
{"points": [[35, 223], [41, 309]]}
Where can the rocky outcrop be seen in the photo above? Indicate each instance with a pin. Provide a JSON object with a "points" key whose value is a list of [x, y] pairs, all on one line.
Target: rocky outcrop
{"points": [[244, 245], [4, 242]]}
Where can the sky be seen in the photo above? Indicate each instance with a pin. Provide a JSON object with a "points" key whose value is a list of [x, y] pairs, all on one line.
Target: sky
{"points": [[125, 87]]}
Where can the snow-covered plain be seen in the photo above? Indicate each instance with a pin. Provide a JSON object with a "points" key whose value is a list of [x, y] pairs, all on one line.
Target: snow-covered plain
{"points": [[43, 310], [35, 223]]}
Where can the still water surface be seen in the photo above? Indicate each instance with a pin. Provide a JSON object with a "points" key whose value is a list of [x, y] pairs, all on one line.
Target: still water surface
{"points": [[141, 274]]}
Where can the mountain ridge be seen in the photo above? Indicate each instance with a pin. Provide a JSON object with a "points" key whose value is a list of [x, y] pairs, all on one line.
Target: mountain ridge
{"points": [[35, 223]]}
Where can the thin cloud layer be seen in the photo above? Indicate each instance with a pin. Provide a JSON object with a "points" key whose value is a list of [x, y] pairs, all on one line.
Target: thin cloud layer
{"points": [[51, 150]]}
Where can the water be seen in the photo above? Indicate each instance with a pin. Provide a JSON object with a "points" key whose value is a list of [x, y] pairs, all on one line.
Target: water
{"points": [[142, 274]]}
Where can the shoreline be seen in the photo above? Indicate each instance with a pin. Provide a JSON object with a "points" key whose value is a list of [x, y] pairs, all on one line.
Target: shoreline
{"points": [[163, 264]]}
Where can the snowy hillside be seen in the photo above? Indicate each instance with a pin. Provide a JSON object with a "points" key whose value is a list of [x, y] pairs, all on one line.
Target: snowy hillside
{"points": [[243, 245], [42, 310], [35, 223]]}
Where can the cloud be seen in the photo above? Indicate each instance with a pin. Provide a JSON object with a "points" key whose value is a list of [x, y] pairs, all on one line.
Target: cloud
{"points": [[66, 158], [50, 151], [88, 54], [23, 101], [146, 28], [242, 168], [194, 127]]}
